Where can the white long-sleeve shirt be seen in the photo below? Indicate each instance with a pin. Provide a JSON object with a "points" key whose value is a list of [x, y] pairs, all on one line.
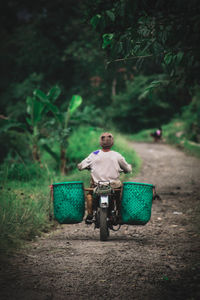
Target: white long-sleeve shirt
{"points": [[106, 166]]}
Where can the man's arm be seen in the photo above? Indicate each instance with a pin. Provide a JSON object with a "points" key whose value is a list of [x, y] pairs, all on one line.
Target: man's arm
{"points": [[127, 168], [85, 164]]}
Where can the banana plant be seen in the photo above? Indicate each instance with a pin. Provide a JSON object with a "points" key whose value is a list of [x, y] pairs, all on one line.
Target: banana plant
{"points": [[64, 129], [62, 119], [37, 110]]}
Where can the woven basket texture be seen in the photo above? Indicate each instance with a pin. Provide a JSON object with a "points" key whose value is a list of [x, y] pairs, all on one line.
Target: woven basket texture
{"points": [[69, 202], [136, 203]]}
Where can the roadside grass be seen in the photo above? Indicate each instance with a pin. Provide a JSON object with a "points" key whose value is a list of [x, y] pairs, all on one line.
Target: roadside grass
{"points": [[174, 134], [25, 201], [23, 213], [142, 136]]}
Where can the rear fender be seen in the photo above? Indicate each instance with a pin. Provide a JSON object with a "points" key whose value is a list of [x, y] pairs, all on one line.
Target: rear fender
{"points": [[104, 201]]}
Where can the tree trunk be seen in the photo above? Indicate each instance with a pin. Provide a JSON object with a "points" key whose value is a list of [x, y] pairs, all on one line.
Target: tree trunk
{"points": [[114, 83], [36, 155], [63, 168]]}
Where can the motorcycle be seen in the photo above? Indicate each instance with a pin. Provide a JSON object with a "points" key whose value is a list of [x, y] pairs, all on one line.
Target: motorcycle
{"points": [[111, 207], [106, 215]]}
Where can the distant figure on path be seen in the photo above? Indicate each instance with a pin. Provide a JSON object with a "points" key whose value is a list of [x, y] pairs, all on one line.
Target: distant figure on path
{"points": [[157, 135]]}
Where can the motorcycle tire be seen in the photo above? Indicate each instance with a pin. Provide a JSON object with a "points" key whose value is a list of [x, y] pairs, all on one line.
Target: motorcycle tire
{"points": [[104, 231]]}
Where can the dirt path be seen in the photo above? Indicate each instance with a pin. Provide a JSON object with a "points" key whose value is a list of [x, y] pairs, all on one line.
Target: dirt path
{"points": [[160, 260]]}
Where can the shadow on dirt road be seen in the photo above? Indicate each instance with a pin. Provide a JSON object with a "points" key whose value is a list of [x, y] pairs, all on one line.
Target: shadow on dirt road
{"points": [[157, 261]]}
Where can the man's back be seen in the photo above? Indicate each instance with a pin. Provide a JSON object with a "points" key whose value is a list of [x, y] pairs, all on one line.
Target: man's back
{"points": [[106, 166]]}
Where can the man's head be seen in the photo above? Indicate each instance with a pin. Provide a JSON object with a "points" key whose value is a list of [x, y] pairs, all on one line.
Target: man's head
{"points": [[106, 140]]}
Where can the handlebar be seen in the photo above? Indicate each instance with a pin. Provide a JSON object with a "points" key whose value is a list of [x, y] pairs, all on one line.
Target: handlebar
{"points": [[91, 189]]}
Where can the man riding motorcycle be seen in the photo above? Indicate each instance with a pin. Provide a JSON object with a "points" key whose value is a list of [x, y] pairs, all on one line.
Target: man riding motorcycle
{"points": [[105, 165]]}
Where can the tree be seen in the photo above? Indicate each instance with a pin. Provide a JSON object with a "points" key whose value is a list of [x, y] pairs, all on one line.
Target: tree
{"points": [[62, 119], [136, 30], [37, 110], [50, 39]]}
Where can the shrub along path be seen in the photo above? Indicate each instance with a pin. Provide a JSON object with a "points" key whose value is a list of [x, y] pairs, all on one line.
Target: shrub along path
{"points": [[157, 261]]}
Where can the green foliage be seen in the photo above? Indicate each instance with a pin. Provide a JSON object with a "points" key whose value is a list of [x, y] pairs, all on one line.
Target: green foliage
{"points": [[21, 171], [107, 39], [34, 109], [82, 142], [14, 144], [143, 28], [121, 145], [192, 148], [62, 117], [14, 98], [191, 116], [37, 107], [95, 20], [42, 41], [39, 126], [175, 133], [47, 100], [74, 103], [23, 214], [143, 135], [89, 115], [147, 102]]}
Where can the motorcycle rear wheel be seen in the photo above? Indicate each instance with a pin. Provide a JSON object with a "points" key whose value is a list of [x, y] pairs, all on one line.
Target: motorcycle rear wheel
{"points": [[104, 231]]}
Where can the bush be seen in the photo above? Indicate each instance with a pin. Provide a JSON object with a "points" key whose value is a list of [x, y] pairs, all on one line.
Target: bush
{"points": [[82, 142], [143, 135], [22, 171], [146, 105], [14, 143], [191, 116]]}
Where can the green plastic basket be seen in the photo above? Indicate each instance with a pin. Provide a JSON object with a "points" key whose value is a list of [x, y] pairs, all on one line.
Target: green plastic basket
{"points": [[136, 203], [68, 202]]}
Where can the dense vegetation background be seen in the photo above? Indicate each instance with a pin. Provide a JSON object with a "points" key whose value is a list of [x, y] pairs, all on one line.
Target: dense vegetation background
{"points": [[70, 71]]}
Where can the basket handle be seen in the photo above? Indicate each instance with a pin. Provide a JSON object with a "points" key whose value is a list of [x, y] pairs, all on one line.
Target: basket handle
{"points": [[50, 201]]}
